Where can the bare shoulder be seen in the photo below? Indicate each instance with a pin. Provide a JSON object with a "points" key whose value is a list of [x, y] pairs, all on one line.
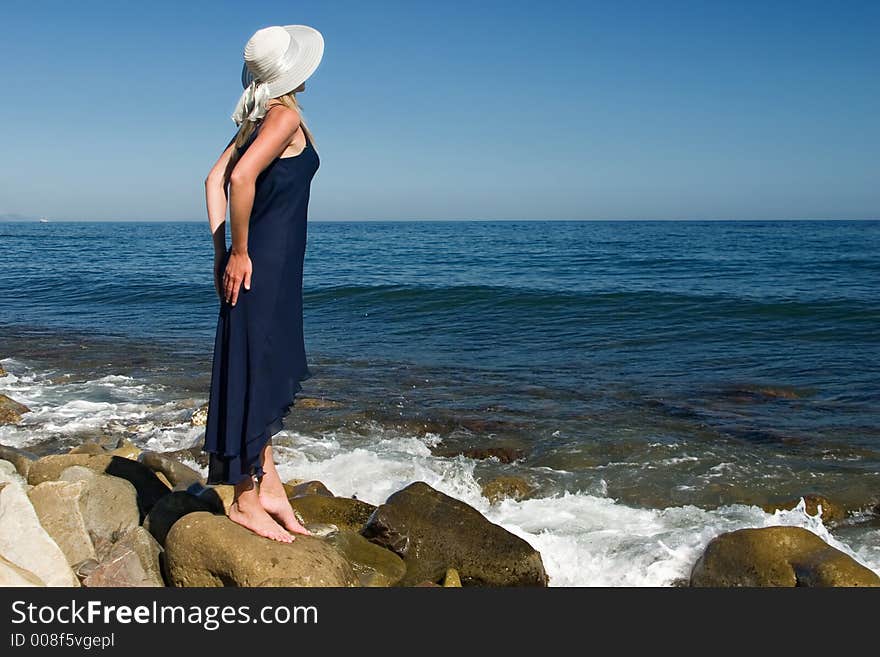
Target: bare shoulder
{"points": [[282, 118]]}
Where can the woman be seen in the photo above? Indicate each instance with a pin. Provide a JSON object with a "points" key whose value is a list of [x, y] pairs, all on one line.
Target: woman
{"points": [[259, 354]]}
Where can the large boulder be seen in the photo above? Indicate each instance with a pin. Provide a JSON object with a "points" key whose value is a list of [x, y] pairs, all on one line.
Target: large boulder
{"points": [[433, 532], [203, 549], [59, 507], [10, 410], [374, 565], [20, 458], [109, 505], [132, 561], [777, 556], [25, 543], [173, 507], [177, 474], [149, 488], [344, 512]]}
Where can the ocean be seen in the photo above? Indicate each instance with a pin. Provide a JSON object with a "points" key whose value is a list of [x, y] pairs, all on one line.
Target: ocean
{"points": [[661, 381]]}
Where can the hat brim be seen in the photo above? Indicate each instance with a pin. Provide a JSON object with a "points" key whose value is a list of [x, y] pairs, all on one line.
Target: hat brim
{"points": [[311, 50]]}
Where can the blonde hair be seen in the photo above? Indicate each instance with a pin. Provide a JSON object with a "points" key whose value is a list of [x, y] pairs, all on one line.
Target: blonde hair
{"points": [[247, 127]]}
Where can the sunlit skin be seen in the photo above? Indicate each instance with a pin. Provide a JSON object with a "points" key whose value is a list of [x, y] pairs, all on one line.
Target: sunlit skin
{"points": [[260, 506]]}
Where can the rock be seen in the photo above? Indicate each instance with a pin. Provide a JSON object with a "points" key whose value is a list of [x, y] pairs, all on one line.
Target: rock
{"points": [[149, 488], [203, 549], [2, 371], [172, 508], [194, 454], [343, 512], [296, 488], [427, 584], [59, 507], [9, 474], [163, 479], [452, 580], [109, 505], [10, 410], [132, 561], [313, 402], [20, 458], [88, 447], [25, 543], [199, 418], [176, 473], [433, 532], [507, 486], [777, 556], [831, 512], [127, 450], [373, 565], [13, 575], [503, 454]]}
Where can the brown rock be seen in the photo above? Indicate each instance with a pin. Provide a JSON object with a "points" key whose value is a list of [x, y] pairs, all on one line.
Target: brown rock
{"points": [[831, 512], [173, 507], [20, 458], [132, 561], [149, 488], [108, 504], [374, 565], [433, 532], [203, 549], [777, 556], [88, 447], [452, 580], [10, 410], [503, 454], [507, 486], [343, 512], [177, 474], [199, 418], [126, 449], [14, 575], [59, 507], [313, 402], [296, 488]]}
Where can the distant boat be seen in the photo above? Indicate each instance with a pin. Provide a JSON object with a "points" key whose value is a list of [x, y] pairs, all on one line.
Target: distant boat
{"points": [[43, 220]]}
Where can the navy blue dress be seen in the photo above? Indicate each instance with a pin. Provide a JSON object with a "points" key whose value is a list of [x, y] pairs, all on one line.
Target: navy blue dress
{"points": [[259, 349]]}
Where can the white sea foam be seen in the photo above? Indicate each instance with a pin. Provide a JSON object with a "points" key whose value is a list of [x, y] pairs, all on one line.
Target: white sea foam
{"points": [[585, 537]]}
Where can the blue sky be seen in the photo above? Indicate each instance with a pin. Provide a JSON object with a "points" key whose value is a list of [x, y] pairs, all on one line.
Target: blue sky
{"points": [[457, 110]]}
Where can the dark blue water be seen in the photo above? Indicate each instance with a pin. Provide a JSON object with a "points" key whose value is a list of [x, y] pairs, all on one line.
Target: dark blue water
{"points": [[590, 345]]}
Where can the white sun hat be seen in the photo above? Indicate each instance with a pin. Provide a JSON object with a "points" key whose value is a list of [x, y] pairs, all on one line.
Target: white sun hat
{"points": [[277, 60]]}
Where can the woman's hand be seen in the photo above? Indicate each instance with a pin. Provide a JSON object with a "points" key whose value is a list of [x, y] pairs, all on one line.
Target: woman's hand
{"points": [[238, 271]]}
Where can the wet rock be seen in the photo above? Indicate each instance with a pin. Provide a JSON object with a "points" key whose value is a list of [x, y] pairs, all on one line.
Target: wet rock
{"points": [[2, 371], [13, 575], [452, 579], [345, 513], [298, 488], [373, 565], [433, 532], [831, 512], [507, 487], [108, 504], [777, 556], [132, 561], [88, 447], [503, 454], [175, 472], [203, 549], [313, 402], [199, 418], [25, 543], [11, 411], [126, 449], [59, 507], [149, 488], [194, 454], [172, 508], [20, 458]]}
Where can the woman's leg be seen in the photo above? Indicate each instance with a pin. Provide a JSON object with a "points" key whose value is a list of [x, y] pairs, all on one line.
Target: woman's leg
{"points": [[273, 497], [247, 511]]}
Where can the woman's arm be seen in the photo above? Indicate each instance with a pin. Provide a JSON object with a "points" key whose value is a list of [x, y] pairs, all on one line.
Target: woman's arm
{"points": [[216, 199], [275, 134]]}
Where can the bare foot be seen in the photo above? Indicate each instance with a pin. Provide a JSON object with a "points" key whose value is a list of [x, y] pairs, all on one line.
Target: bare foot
{"points": [[248, 512], [274, 500]]}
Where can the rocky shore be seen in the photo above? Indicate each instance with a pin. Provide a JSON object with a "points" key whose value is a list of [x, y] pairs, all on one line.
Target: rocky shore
{"points": [[106, 515]]}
